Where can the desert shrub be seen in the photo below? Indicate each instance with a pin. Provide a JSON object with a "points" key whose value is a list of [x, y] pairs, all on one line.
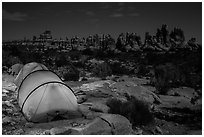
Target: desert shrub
{"points": [[74, 55], [112, 103], [68, 73], [117, 67], [81, 62], [10, 60], [83, 59], [142, 70], [194, 80], [167, 76], [99, 68], [4, 69], [133, 109], [5, 57], [87, 52], [61, 61]]}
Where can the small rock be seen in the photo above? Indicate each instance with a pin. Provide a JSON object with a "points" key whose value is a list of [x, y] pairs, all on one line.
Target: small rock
{"points": [[64, 131], [7, 103], [10, 87], [5, 91], [92, 115], [176, 124], [127, 85], [4, 97], [57, 131], [83, 79], [13, 128], [20, 131], [12, 123], [183, 91], [46, 132], [9, 111], [29, 125], [81, 99], [138, 131], [82, 124], [84, 109], [16, 114], [6, 120], [158, 130], [74, 124]]}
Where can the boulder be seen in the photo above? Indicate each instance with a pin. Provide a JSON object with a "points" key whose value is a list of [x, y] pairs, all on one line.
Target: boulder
{"points": [[7, 111], [29, 125], [120, 124], [81, 98], [101, 93], [95, 85], [97, 127], [184, 92], [137, 131], [7, 120], [133, 80], [106, 124], [99, 107], [138, 91], [5, 91], [9, 86], [175, 102], [84, 109], [178, 109], [7, 104], [56, 127], [87, 112], [158, 130], [195, 132], [63, 131]]}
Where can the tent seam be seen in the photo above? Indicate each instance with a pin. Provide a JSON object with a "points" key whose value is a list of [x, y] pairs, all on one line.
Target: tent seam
{"points": [[40, 100], [65, 95]]}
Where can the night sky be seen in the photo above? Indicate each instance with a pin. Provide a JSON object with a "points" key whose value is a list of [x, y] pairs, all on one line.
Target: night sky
{"points": [[69, 19]]}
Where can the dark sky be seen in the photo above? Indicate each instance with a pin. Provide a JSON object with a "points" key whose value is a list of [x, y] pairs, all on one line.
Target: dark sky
{"points": [[82, 19]]}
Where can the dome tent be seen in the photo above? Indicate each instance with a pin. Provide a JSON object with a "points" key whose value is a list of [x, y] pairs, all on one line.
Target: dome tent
{"points": [[42, 96], [14, 70], [26, 69]]}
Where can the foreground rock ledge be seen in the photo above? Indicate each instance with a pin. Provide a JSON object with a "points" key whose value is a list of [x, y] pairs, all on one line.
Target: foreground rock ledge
{"points": [[106, 124]]}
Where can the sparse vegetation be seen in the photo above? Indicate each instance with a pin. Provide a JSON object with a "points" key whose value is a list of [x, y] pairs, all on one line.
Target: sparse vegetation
{"points": [[135, 110], [127, 55], [102, 70], [68, 73]]}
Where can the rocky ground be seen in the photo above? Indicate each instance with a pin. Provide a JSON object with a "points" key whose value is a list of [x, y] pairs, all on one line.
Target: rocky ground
{"points": [[177, 113]]}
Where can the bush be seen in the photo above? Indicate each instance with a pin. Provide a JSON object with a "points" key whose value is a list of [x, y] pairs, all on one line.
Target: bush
{"points": [[10, 60], [117, 67], [100, 68], [166, 76], [4, 69], [142, 70], [68, 73], [81, 62], [135, 110]]}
